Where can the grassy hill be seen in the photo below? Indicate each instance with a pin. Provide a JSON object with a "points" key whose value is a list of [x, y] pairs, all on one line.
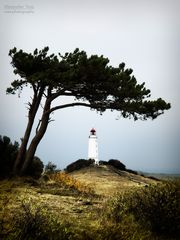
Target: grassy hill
{"points": [[107, 180], [80, 205]]}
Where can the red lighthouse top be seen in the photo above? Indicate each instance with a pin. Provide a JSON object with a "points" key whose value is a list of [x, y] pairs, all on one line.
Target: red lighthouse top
{"points": [[93, 131]]}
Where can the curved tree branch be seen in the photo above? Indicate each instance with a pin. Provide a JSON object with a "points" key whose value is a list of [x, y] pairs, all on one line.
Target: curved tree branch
{"points": [[68, 105]]}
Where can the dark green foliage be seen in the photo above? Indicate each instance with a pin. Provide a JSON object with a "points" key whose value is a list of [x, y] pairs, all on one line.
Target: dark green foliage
{"points": [[102, 162], [156, 208], [8, 153], [82, 163], [50, 167], [36, 168], [89, 79], [79, 164], [117, 164]]}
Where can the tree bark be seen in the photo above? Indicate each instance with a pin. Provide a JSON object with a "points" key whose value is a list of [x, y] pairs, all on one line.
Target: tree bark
{"points": [[37, 138], [22, 149], [32, 113]]}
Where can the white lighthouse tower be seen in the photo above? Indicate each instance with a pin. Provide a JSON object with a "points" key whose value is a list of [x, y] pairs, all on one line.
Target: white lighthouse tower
{"points": [[93, 146]]}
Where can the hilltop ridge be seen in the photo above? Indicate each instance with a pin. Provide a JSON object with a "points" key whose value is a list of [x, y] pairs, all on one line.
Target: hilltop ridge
{"points": [[107, 180]]}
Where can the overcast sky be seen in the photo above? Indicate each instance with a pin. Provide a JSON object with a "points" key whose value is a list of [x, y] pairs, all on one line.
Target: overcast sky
{"points": [[145, 34]]}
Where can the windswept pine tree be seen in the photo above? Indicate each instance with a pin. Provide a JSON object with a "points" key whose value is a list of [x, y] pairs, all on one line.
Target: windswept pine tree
{"points": [[90, 80]]}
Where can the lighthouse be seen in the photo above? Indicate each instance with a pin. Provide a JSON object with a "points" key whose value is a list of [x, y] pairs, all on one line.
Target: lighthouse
{"points": [[93, 146]]}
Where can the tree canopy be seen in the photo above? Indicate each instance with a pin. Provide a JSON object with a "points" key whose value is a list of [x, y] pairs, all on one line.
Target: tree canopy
{"points": [[89, 80]]}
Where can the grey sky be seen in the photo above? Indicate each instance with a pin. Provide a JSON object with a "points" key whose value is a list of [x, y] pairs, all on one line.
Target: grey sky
{"points": [[145, 34]]}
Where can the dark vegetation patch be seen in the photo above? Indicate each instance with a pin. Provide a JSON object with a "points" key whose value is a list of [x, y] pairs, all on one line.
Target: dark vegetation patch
{"points": [[79, 164], [83, 163], [155, 208], [8, 153]]}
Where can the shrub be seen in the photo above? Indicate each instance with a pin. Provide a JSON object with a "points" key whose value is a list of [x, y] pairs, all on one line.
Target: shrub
{"points": [[37, 223], [79, 164], [82, 163], [8, 153], [36, 168], [102, 162], [127, 229], [156, 207], [72, 183], [50, 168], [117, 164]]}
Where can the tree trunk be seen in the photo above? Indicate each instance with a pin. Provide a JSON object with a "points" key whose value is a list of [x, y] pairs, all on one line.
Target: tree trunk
{"points": [[22, 149], [37, 138], [32, 113]]}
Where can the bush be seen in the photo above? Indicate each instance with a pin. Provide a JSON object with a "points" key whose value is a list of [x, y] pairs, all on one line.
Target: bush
{"points": [[50, 168], [102, 162], [156, 208], [127, 229], [36, 168], [37, 223], [82, 163], [8, 153], [79, 164], [72, 183], [117, 164]]}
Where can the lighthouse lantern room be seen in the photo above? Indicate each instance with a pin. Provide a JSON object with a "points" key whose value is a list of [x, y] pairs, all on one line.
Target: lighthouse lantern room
{"points": [[93, 146]]}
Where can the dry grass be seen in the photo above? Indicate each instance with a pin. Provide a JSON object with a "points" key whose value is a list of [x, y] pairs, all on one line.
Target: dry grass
{"points": [[76, 198], [72, 183], [107, 181], [64, 196]]}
